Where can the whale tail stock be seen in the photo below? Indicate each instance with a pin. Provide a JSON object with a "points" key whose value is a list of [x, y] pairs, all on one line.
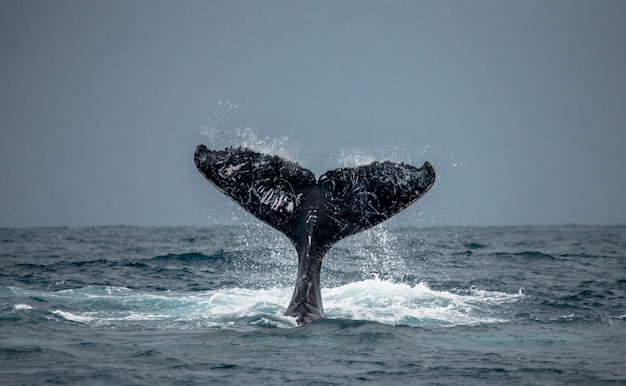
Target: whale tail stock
{"points": [[313, 213]]}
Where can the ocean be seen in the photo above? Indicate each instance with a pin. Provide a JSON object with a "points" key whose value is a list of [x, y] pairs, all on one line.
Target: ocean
{"points": [[204, 305]]}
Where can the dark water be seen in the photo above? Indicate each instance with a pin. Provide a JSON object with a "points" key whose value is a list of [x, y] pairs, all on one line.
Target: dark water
{"points": [[131, 305]]}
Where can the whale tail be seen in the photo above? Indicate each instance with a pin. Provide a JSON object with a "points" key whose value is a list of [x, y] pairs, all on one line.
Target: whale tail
{"points": [[313, 213]]}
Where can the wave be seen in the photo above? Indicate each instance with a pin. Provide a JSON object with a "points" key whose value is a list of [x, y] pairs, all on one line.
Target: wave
{"points": [[371, 300]]}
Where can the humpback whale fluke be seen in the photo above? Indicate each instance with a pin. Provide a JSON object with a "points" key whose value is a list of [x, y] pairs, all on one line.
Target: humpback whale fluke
{"points": [[313, 214]]}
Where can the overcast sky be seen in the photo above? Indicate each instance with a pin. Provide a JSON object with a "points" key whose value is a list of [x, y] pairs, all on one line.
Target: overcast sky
{"points": [[520, 105]]}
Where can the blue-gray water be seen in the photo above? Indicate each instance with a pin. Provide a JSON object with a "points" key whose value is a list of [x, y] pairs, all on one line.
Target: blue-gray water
{"points": [[146, 306]]}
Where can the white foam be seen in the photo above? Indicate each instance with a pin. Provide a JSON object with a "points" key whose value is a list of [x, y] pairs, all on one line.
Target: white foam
{"points": [[71, 317], [238, 302], [374, 300], [397, 303], [22, 307]]}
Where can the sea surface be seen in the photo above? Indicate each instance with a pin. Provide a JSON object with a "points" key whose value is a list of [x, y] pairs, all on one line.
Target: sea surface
{"points": [[445, 306]]}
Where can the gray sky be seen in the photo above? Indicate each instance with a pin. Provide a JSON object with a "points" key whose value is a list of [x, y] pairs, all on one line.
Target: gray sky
{"points": [[520, 105]]}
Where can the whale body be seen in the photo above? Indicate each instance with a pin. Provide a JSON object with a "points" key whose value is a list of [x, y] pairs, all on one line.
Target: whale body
{"points": [[313, 213]]}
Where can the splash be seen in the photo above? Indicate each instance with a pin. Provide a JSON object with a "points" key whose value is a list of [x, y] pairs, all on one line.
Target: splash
{"points": [[352, 156], [224, 116], [418, 306], [226, 127], [375, 251], [372, 300]]}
